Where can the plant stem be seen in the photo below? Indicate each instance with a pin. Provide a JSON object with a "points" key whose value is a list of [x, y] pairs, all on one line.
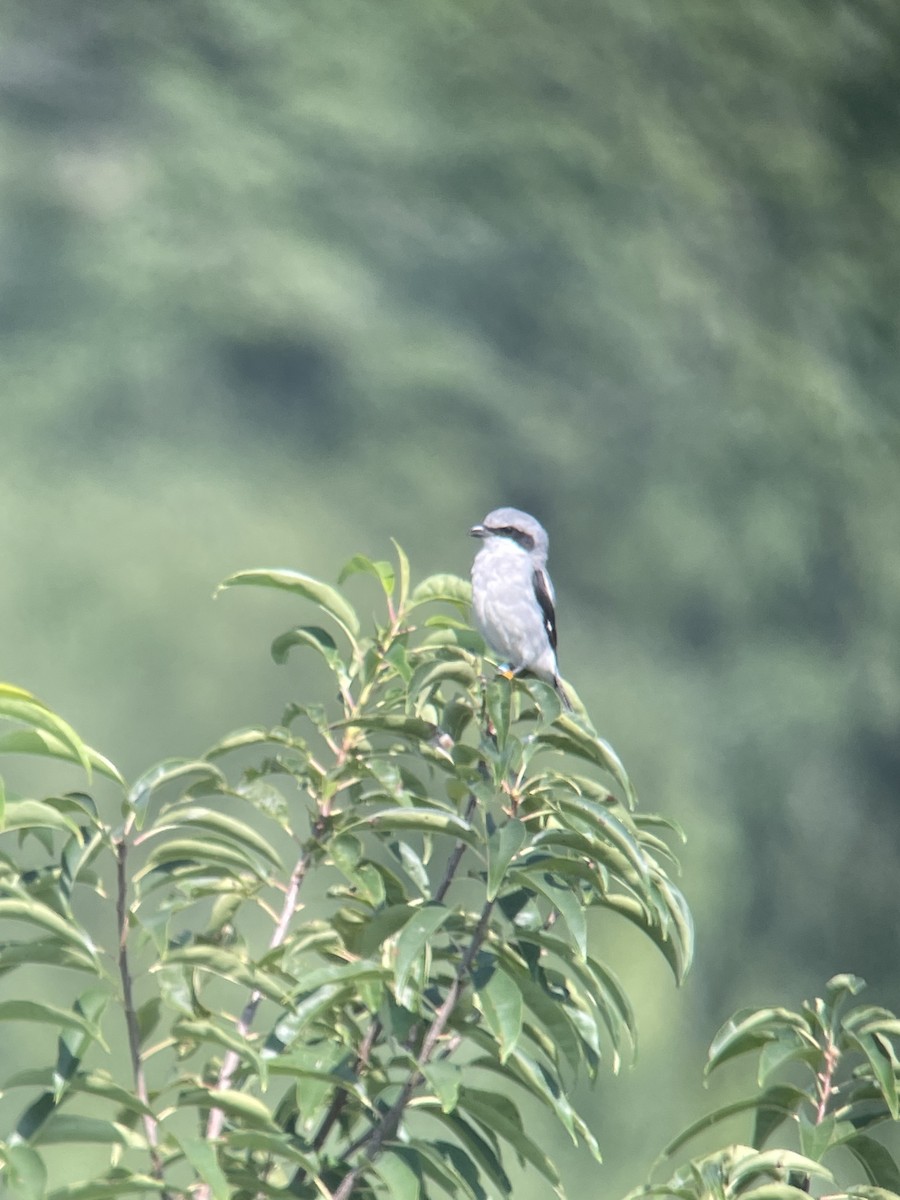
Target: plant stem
{"points": [[151, 1129], [387, 1126], [232, 1059]]}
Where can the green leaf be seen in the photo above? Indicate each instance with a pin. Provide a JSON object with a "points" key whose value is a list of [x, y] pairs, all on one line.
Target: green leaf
{"points": [[397, 1175], [501, 1002], [26, 1175], [167, 771], [876, 1160], [473, 1144], [46, 1014], [750, 1029], [325, 597], [219, 823], [25, 814], [570, 736], [18, 705], [561, 897], [202, 1156], [445, 1079], [777, 1162], [414, 728], [774, 1106], [403, 572], [46, 950], [60, 1128], [315, 638], [781, 1101], [118, 1183], [549, 1089], [44, 744], [207, 853], [419, 820], [429, 673], [498, 701], [35, 913], [411, 943], [359, 564], [503, 845], [500, 1115], [449, 589], [237, 1105], [879, 1054]]}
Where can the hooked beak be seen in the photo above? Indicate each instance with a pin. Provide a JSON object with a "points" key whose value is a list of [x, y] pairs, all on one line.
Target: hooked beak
{"points": [[478, 531]]}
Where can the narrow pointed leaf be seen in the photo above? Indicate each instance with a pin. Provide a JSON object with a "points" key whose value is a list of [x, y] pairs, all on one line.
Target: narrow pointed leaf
{"points": [[203, 1158], [501, 1002], [17, 705], [413, 938], [45, 744], [449, 589], [327, 598], [315, 638], [504, 844], [360, 564]]}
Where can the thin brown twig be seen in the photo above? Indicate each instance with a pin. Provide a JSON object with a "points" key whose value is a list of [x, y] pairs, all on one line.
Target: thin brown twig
{"points": [[232, 1059], [375, 1030], [387, 1126]]}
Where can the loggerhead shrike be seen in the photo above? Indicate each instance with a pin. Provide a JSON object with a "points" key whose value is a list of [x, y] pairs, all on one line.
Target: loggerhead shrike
{"points": [[512, 596]]}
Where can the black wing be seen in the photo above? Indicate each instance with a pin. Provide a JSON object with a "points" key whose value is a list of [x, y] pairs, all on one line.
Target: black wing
{"points": [[545, 600]]}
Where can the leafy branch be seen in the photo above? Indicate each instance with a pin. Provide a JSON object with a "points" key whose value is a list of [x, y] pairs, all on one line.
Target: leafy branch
{"points": [[308, 1050]]}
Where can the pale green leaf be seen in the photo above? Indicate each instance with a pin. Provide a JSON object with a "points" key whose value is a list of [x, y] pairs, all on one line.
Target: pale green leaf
{"points": [[500, 999], [327, 598], [876, 1160], [360, 564], [503, 845], [449, 589], [202, 1156], [217, 822], [45, 744], [412, 940], [18, 705], [26, 1175]]}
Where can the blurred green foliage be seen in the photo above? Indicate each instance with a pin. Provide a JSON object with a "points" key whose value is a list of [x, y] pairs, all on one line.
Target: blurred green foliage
{"points": [[279, 281]]}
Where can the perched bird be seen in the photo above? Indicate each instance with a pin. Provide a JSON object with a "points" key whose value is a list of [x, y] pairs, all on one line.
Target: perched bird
{"points": [[512, 596]]}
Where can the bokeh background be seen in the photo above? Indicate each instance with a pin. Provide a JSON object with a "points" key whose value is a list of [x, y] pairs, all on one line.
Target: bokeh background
{"points": [[279, 281]]}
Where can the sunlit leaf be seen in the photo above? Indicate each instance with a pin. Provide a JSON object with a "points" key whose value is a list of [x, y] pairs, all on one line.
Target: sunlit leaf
{"points": [[168, 771], [201, 1154], [19, 705], [359, 563], [751, 1029], [327, 598], [43, 743], [500, 1115], [570, 736], [419, 820], [449, 589], [35, 913], [120, 1183], [395, 1173], [26, 1175], [412, 940], [25, 814], [239, 1106], [503, 845], [313, 637], [218, 823], [501, 1002]]}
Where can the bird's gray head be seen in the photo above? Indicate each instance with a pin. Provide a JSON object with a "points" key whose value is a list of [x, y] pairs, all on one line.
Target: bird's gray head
{"points": [[517, 526]]}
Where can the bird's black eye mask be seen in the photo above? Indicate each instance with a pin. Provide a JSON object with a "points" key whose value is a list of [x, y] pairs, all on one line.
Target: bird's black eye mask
{"points": [[525, 540]]}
